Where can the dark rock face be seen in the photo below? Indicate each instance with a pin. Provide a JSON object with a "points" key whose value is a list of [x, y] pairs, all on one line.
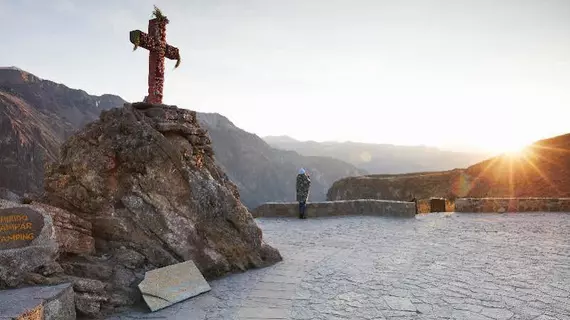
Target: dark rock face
{"points": [[36, 116], [26, 140], [9, 195], [145, 177]]}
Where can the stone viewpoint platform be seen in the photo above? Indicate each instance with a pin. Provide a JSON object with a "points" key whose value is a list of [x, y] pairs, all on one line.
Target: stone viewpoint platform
{"points": [[501, 205], [365, 207], [435, 266]]}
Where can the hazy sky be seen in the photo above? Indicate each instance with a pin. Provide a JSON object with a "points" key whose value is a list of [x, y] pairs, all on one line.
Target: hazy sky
{"points": [[448, 73]]}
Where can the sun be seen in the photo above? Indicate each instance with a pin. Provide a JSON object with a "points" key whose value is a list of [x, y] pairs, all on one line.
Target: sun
{"points": [[511, 148], [515, 150]]}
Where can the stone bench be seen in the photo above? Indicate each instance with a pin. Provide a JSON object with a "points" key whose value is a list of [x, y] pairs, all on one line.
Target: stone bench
{"points": [[367, 207], [512, 205]]}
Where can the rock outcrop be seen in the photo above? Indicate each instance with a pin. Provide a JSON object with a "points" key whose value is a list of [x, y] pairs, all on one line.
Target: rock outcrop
{"points": [[144, 177], [22, 263], [400, 187], [51, 257]]}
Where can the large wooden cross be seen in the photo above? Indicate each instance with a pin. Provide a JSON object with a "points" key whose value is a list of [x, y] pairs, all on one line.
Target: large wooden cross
{"points": [[155, 43]]}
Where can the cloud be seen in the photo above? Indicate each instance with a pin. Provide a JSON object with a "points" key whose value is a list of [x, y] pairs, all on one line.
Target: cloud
{"points": [[64, 6]]}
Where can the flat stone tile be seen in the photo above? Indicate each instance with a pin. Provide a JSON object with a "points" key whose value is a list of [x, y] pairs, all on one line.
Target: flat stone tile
{"points": [[276, 286], [466, 266], [398, 303], [279, 294], [262, 313]]}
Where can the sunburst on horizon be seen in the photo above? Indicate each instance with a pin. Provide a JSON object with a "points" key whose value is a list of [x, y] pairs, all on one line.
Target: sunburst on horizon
{"points": [[526, 159]]}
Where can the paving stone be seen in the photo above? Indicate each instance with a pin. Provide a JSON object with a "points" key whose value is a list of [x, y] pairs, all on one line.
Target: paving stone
{"points": [[398, 303], [263, 313], [471, 266], [497, 313]]}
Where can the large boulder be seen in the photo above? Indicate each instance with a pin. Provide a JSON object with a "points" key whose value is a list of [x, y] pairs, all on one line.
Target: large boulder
{"points": [[33, 237], [28, 244], [144, 176]]}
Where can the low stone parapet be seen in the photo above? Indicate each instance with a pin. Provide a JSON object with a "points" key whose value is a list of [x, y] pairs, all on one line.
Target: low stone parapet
{"points": [[338, 208], [501, 205]]}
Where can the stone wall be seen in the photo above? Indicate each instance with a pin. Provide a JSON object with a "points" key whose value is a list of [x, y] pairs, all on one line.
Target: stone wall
{"points": [[512, 205], [338, 208]]}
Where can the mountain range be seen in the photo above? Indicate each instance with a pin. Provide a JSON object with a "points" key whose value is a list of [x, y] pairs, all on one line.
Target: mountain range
{"points": [[381, 158], [37, 115], [540, 170], [265, 174]]}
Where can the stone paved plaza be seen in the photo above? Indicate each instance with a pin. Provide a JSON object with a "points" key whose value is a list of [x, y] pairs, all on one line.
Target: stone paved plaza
{"points": [[458, 266]]}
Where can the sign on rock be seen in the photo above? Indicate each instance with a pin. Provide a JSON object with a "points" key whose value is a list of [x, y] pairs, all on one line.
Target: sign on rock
{"points": [[166, 286], [19, 227]]}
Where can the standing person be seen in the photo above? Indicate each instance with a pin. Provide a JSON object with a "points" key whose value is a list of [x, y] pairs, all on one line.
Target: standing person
{"points": [[303, 185]]}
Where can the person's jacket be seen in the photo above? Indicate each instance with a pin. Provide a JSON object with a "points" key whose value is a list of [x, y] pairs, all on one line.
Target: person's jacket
{"points": [[303, 185]]}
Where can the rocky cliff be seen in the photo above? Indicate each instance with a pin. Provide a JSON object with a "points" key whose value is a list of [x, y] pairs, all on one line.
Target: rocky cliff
{"points": [[140, 190], [37, 115], [541, 170]]}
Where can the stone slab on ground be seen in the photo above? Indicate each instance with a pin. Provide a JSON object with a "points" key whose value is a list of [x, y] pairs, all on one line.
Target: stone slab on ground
{"points": [[38, 303], [166, 286]]}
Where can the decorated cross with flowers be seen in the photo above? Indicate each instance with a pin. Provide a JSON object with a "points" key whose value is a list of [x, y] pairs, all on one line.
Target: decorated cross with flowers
{"points": [[155, 43]]}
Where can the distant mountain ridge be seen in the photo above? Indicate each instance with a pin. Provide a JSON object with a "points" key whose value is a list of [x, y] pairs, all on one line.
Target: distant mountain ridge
{"points": [[37, 115], [381, 158], [542, 170], [73, 106], [263, 173]]}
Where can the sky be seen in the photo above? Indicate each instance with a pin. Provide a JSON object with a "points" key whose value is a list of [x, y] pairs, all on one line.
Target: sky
{"points": [[465, 75]]}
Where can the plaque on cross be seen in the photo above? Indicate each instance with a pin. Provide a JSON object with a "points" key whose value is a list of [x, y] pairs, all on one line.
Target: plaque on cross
{"points": [[155, 42]]}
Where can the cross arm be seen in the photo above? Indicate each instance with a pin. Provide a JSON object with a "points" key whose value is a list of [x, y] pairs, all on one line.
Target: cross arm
{"points": [[141, 39], [172, 53]]}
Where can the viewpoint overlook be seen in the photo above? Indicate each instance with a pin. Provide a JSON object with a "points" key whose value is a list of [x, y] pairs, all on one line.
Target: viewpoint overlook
{"points": [[215, 174]]}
